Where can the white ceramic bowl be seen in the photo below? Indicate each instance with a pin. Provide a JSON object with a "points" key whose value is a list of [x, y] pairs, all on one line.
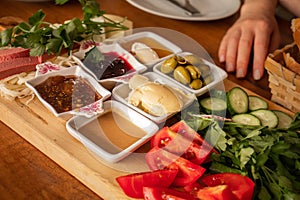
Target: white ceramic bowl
{"points": [[121, 92], [125, 55], [106, 145], [153, 41], [218, 75], [88, 110]]}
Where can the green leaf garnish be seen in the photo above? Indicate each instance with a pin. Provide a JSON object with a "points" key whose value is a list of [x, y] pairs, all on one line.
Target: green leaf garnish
{"points": [[40, 36]]}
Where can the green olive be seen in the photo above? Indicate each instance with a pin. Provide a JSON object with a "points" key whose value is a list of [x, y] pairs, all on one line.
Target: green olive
{"points": [[168, 65], [208, 79], [182, 75], [181, 60], [196, 84], [194, 71], [193, 59], [205, 70]]}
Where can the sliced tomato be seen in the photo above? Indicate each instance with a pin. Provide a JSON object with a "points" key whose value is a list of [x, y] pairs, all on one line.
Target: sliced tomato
{"points": [[156, 193], [133, 184], [167, 134], [219, 192], [162, 137], [241, 186], [193, 188], [186, 131], [188, 172], [187, 143]]}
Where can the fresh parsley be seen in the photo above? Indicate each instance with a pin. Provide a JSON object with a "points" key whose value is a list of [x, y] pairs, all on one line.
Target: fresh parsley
{"points": [[271, 157], [43, 37]]}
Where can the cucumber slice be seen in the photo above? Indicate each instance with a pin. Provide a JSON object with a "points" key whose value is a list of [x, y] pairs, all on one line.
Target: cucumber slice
{"points": [[247, 119], [267, 117], [221, 94], [237, 101], [256, 103], [284, 120], [212, 105]]}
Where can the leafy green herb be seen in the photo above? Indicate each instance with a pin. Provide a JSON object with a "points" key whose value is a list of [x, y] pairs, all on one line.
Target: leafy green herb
{"points": [[94, 56], [61, 2], [41, 36], [271, 157]]}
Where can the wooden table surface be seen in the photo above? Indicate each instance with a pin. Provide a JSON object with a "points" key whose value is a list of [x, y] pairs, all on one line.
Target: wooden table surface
{"points": [[25, 172]]}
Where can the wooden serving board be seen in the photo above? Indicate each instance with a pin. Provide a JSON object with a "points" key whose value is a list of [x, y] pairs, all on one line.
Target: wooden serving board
{"points": [[48, 133]]}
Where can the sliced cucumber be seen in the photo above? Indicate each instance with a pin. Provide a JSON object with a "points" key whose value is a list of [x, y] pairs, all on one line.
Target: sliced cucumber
{"points": [[213, 105], [237, 100], [284, 120], [256, 103], [221, 94], [267, 117], [247, 119]]}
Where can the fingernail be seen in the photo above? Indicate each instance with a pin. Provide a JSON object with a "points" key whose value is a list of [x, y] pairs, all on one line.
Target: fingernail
{"points": [[229, 67], [256, 75], [240, 73], [222, 58]]}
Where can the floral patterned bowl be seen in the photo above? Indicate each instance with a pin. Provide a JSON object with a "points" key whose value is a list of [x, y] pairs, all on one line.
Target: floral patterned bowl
{"points": [[68, 90]]}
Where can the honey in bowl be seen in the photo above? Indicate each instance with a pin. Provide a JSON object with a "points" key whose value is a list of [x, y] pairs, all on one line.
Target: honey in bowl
{"points": [[112, 131], [161, 50]]}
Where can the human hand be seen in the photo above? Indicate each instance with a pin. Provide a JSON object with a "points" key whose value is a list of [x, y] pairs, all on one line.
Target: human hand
{"points": [[256, 30]]}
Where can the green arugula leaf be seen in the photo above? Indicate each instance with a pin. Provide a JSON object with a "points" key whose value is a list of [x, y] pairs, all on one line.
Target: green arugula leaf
{"points": [[245, 156]]}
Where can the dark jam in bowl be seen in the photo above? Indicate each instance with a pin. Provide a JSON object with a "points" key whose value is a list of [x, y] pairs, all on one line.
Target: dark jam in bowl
{"points": [[112, 65], [65, 93]]}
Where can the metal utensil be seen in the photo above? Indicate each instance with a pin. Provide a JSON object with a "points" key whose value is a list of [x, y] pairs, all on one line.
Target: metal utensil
{"points": [[187, 6]]}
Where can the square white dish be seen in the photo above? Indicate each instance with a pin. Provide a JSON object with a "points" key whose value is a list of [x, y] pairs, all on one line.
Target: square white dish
{"points": [[128, 58], [121, 92], [112, 146], [163, 47], [218, 75], [88, 110]]}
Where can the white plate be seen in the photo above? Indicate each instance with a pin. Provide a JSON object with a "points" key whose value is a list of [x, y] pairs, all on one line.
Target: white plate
{"points": [[88, 110], [218, 75], [90, 133], [210, 9], [121, 92]]}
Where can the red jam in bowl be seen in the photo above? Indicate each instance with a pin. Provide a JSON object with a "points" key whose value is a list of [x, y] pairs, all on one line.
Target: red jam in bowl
{"points": [[113, 65]]}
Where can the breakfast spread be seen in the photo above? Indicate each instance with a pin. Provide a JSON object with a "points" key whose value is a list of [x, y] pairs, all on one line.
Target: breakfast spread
{"points": [[194, 155]]}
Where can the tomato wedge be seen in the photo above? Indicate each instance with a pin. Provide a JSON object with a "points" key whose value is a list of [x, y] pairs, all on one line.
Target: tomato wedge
{"points": [[193, 188], [188, 172], [133, 184], [167, 134], [185, 130], [185, 143], [241, 186], [155, 193], [219, 192]]}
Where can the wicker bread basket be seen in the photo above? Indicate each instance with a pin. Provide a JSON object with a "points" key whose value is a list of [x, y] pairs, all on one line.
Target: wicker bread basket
{"points": [[284, 83]]}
